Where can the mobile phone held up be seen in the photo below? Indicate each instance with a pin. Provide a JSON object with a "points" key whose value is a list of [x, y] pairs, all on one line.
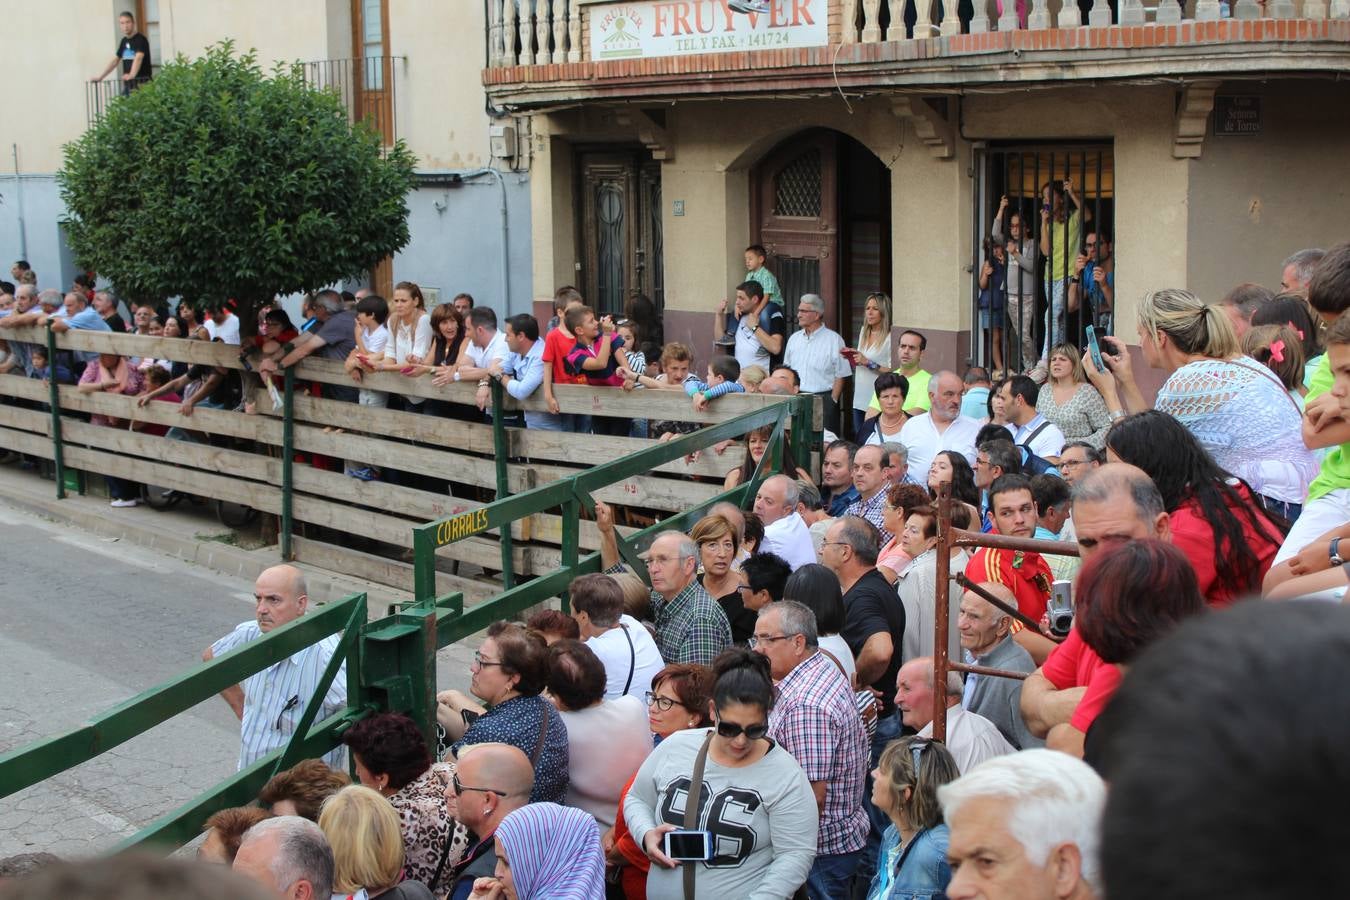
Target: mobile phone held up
{"points": [[1095, 349], [688, 846]]}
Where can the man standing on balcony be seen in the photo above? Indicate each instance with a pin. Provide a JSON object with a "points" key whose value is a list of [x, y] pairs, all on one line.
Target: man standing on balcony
{"points": [[270, 703], [133, 52]]}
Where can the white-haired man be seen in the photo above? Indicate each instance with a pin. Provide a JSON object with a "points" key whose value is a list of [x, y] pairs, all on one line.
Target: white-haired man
{"points": [[813, 352], [785, 533], [986, 640], [971, 738], [289, 856], [1025, 827]]}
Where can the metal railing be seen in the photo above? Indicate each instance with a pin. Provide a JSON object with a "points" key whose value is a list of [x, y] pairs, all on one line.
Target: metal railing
{"points": [[99, 95], [367, 88], [949, 539]]}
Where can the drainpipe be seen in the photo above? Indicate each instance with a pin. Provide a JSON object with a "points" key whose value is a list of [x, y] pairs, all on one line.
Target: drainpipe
{"points": [[18, 188], [506, 233]]}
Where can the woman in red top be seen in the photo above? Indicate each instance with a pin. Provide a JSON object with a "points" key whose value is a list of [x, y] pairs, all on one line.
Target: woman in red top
{"points": [[1228, 536]]}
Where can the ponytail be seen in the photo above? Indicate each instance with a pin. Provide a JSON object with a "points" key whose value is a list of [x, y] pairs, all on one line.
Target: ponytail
{"points": [[743, 677]]}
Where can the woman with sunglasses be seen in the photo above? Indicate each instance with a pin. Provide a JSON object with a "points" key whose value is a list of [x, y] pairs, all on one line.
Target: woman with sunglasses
{"points": [[679, 699], [912, 863], [755, 802]]}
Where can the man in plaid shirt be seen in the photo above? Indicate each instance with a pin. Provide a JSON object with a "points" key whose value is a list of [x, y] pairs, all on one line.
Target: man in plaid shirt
{"points": [[869, 477], [690, 626], [817, 721]]}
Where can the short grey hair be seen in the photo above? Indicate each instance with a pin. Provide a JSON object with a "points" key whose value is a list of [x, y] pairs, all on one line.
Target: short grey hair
{"points": [[861, 537], [1304, 261], [302, 852], [685, 547], [26, 290], [1052, 799], [796, 618], [812, 300], [1109, 481], [50, 297], [790, 492], [895, 448], [808, 494], [80, 298], [330, 302]]}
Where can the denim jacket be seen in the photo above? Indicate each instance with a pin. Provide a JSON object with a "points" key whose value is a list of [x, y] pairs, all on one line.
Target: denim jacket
{"points": [[925, 872]]}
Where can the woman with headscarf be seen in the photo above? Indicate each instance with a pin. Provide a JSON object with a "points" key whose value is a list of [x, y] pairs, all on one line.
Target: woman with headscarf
{"points": [[546, 852]]}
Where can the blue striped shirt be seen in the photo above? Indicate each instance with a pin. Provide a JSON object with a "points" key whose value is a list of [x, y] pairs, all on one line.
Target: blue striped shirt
{"points": [[275, 698]]}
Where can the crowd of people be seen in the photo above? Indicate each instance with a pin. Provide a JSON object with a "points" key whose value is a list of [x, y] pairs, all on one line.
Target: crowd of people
{"points": [[755, 717]]}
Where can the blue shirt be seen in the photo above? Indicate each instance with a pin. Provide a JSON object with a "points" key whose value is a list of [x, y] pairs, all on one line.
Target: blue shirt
{"points": [[975, 403], [843, 501], [527, 374]]}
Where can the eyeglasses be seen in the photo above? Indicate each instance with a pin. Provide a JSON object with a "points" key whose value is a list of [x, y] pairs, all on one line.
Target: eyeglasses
{"points": [[663, 704], [730, 730], [461, 788], [755, 640], [834, 543], [661, 560], [744, 587], [482, 663]]}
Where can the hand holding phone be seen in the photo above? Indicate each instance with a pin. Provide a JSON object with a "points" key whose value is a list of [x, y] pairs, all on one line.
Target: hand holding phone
{"points": [[688, 845], [1095, 349]]}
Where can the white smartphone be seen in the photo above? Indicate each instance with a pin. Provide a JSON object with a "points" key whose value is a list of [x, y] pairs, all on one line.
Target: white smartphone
{"points": [[688, 846]]}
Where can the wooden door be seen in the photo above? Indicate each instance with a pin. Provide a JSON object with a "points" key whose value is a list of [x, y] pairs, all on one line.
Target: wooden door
{"points": [[795, 213], [372, 69], [621, 236]]}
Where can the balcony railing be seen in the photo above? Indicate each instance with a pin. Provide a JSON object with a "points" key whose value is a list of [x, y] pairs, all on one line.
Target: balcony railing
{"points": [[366, 87], [98, 95], [562, 33]]}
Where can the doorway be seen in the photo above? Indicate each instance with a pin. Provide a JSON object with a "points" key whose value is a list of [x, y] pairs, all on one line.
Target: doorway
{"points": [[821, 206], [620, 226]]}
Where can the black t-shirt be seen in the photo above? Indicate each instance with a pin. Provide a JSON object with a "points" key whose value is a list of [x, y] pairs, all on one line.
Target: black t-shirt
{"points": [[116, 323], [772, 320], [128, 47], [872, 606]]}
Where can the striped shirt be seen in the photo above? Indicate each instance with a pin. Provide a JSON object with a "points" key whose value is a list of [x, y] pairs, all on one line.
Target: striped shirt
{"points": [[817, 721], [275, 698]]}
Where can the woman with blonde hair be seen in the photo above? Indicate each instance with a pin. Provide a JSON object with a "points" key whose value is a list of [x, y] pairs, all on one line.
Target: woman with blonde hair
{"points": [[1069, 402], [1236, 408], [363, 830], [912, 863], [873, 354]]}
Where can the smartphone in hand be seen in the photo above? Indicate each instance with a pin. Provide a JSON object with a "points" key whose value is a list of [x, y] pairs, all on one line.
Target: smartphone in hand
{"points": [[1095, 349]]}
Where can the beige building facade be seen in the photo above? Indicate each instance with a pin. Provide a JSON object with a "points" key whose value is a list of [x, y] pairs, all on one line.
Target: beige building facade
{"points": [[1205, 148]]}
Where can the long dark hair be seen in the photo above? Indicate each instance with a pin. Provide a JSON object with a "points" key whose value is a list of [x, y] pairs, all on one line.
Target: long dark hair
{"points": [[963, 478], [743, 677], [1182, 469], [817, 588], [748, 467]]}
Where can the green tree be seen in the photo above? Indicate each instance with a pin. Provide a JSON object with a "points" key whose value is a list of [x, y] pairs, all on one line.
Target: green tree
{"points": [[215, 180]]}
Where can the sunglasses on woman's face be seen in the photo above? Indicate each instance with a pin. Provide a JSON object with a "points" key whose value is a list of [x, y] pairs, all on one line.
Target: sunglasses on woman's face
{"points": [[730, 730]]}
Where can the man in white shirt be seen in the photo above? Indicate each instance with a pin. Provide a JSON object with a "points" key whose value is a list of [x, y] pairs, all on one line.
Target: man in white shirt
{"points": [[759, 328], [487, 345], [971, 738], [941, 428], [270, 703], [623, 645], [813, 352], [223, 325], [784, 531], [1029, 428]]}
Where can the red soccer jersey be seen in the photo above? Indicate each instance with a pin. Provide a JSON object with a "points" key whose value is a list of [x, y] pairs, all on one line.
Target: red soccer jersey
{"points": [[1074, 664], [1193, 535], [1027, 575]]}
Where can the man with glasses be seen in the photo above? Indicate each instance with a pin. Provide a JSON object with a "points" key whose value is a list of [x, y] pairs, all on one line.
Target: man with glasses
{"points": [[1077, 460], [270, 703], [971, 738], [816, 720], [491, 781], [814, 353], [1095, 277], [1113, 505], [690, 625]]}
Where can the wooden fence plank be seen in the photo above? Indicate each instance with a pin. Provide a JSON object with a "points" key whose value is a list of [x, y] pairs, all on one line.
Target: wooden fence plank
{"points": [[385, 571]]}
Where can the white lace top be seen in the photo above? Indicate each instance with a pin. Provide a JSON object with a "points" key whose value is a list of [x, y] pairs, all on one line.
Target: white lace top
{"points": [[1242, 415]]}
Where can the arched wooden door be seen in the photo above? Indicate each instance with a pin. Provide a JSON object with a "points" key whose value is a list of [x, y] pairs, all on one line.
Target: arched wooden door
{"points": [[795, 212]]}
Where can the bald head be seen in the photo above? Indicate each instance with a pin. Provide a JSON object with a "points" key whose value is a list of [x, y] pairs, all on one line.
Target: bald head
{"points": [[733, 514], [280, 595], [484, 769], [1116, 503], [944, 395], [777, 499]]}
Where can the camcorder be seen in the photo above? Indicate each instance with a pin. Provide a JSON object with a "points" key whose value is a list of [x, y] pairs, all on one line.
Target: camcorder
{"points": [[1060, 608]]}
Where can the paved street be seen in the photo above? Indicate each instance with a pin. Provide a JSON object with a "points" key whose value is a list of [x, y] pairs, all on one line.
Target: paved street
{"points": [[86, 623]]}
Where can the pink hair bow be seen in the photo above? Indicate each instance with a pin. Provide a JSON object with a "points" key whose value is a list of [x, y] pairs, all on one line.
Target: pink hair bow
{"points": [[1277, 351]]}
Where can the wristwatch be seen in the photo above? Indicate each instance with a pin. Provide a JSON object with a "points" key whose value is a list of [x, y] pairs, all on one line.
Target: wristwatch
{"points": [[1336, 559]]}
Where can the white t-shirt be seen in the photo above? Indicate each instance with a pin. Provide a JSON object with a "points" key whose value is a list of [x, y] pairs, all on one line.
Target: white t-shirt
{"points": [[227, 331], [483, 357], [376, 340], [644, 660], [1049, 442], [791, 539], [606, 745], [839, 647], [971, 738], [924, 442]]}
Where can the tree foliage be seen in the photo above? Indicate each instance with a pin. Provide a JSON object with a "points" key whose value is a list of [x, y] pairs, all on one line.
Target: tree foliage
{"points": [[215, 180]]}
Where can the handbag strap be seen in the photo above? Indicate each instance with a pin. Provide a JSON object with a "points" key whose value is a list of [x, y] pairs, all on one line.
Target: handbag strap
{"points": [[834, 659], [1264, 370], [543, 732], [632, 659], [691, 804]]}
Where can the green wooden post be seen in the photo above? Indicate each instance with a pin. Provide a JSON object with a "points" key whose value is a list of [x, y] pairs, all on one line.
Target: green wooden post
{"points": [[58, 456], [571, 538], [424, 565], [501, 451], [803, 436], [287, 464]]}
